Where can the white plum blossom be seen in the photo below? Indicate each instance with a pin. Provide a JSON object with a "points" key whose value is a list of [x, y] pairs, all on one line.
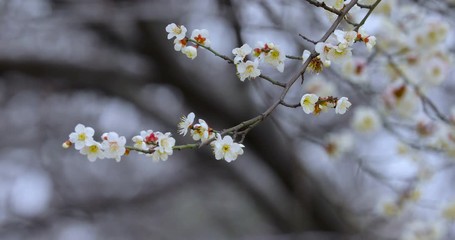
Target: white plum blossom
{"points": [[345, 38], [275, 57], [185, 123], [308, 102], [370, 41], [342, 105], [316, 64], [113, 145], [201, 36], [339, 54], [323, 49], [241, 52], [180, 44], [366, 120], [93, 150], [190, 52], [178, 32], [248, 69], [165, 143], [139, 142], [225, 148], [82, 136], [201, 131], [165, 146]]}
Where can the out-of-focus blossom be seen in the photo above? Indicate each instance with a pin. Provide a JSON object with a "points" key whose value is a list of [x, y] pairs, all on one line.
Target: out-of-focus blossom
{"points": [[366, 120], [428, 230]]}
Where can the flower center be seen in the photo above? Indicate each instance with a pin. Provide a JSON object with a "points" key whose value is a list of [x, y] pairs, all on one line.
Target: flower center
{"points": [[177, 30], [200, 39], [226, 148], [81, 137], [93, 149], [250, 69], [275, 54], [113, 146]]}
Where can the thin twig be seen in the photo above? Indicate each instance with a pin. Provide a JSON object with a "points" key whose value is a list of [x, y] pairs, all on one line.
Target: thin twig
{"points": [[294, 57], [372, 7], [226, 58], [296, 105], [307, 39], [330, 9], [274, 82]]}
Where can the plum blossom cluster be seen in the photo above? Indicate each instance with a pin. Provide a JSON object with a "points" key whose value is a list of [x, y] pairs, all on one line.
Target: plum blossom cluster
{"points": [[154, 144], [337, 49], [223, 147], [200, 36], [311, 103], [157, 145], [112, 145], [269, 53], [199, 131]]}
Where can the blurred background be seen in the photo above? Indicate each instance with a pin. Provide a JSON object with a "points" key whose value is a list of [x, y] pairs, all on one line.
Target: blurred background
{"points": [[107, 64]]}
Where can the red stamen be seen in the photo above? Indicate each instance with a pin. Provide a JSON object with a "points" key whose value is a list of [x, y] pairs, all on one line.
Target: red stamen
{"points": [[359, 37]]}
